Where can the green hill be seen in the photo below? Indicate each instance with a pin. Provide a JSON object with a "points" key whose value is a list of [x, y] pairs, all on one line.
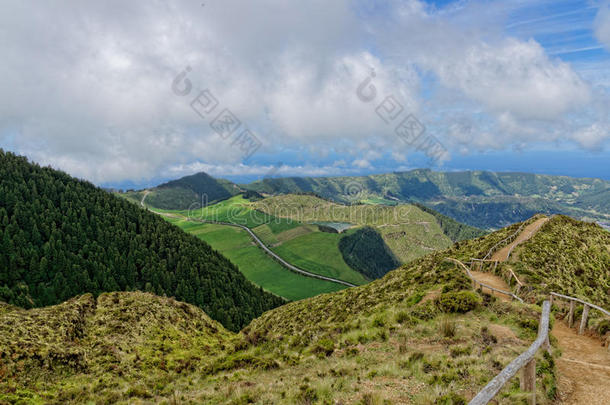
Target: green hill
{"points": [[479, 198], [365, 251], [254, 263], [418, 335], [187, 192], [60, 237]]}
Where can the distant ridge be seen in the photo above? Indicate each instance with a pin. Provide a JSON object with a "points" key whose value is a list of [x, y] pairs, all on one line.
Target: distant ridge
{"points": [[482, 199]]}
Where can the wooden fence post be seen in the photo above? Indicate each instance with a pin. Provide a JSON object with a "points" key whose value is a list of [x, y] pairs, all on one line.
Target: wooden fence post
{"points": [[528, 380], [583, 321], [571, 314]]}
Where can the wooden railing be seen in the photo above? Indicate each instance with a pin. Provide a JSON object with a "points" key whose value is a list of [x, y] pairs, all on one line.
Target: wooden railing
{"points": [[477, 282], [526, 362], [585, 311]]}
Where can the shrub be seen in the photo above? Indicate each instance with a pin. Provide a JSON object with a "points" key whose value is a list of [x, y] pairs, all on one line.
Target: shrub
{"points": [[460, 302], [405, 318], [379, 321], [461, 351], [425, 312], [450, 399], [324, 347], [306, 395], [603, 327]]}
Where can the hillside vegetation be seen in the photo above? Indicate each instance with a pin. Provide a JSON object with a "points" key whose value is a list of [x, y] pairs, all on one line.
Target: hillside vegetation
{"points": [[365, 251], [187, 192], [254, 263], [418, 335], [60, 237], [568, 257], [479, 198]]}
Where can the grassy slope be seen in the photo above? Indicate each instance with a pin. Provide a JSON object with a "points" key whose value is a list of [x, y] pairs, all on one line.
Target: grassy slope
{"points": [[319, 252], [258, 267], [568, 257], [386, 341], [382, 341], [132, 343]]}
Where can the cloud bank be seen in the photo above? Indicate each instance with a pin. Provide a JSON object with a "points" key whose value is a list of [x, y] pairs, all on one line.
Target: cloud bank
{"points": [[87, 86]]}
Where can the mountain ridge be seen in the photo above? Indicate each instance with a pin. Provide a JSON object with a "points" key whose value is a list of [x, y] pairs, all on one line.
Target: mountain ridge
{"points": [[479, 198]]}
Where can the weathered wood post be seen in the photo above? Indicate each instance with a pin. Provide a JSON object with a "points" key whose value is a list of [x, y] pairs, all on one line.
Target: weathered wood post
{"points": [[583, 321], [551, 300], [571, 314], [528, 380]]}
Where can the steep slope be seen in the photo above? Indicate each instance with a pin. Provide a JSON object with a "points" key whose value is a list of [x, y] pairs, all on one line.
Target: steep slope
{"points": [[456, 231], [479, 198], [365, 251], [60, 237]]}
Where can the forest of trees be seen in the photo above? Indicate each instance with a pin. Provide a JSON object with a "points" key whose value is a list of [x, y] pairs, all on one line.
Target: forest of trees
{"points": [[60, 237], [366, 252]]}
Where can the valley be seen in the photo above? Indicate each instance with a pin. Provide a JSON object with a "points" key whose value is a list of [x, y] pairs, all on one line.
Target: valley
{"points": [[296, 228]]}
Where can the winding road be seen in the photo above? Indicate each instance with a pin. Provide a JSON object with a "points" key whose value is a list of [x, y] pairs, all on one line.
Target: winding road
{"points": [[258, 242]]}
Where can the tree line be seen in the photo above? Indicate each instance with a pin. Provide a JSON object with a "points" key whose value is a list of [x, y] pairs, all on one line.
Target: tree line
{"points": [[60, 237]]}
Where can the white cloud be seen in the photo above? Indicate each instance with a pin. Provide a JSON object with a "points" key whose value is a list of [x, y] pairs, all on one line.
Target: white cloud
{"points": [[592, 137], [87, 87], [602, 25], [514, 77]]}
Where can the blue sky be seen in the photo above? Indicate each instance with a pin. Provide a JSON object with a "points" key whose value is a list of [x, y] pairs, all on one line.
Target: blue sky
{"points": [[95, 89]]}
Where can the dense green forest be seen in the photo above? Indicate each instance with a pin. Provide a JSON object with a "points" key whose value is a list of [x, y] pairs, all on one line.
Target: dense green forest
{"points": [[60, 237], [365, 251], [456, 231]]}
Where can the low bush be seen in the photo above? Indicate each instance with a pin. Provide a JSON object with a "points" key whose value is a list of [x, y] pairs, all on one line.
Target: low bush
{"points": [[458, 302]]}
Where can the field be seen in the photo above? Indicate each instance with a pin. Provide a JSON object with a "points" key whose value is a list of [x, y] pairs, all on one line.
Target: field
{"points": [[287, 225], [302, 245], [258, 267], [319, 253]]}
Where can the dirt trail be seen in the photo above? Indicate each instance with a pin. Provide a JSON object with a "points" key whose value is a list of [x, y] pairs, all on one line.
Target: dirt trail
{"points": [[584, 368], [529, 231], [494, 281]]}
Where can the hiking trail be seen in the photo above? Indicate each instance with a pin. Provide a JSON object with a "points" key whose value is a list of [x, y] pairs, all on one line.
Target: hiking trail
{"points": [[584, 365], [503, 254]]}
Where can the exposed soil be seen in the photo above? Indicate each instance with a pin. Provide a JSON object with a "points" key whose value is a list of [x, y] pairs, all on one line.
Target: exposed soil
{"points": [[584, 368], [529, 231], [494, 281]]}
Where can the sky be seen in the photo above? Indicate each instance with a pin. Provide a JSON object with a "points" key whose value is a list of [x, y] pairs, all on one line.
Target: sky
{"points": [[127, 94]]}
